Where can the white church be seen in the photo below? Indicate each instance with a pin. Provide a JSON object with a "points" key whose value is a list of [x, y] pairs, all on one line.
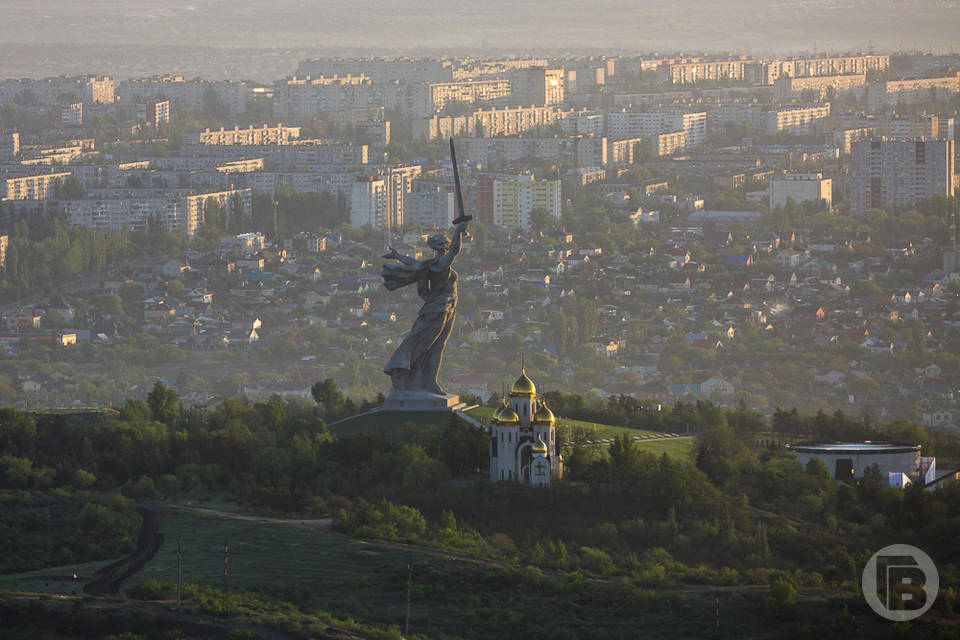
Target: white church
{"points": [[523, 442]]}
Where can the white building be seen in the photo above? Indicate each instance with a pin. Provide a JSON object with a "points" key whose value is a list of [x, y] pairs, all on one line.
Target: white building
{"points": [[368, 204], [849, 460], [632, 124], [523, 438], [801, 187]]}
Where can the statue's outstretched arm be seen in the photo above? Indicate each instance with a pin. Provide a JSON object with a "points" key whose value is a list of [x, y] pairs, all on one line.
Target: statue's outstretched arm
{"points": [[396, 255]]}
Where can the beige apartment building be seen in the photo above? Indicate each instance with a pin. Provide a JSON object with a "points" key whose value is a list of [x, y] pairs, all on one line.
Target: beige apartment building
{"points": [[487, 122], [437, 95], [912, 90], [251, 135], [817, 87], [50, 91], [33, 187]]}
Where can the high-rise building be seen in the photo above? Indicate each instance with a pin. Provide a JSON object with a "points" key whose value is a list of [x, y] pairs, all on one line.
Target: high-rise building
{"points": [[894, 172], [368, 203], [4, 243], [514, 200]]}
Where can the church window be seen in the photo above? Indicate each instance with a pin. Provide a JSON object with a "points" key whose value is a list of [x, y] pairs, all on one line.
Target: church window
{"points": [[541, 468]]}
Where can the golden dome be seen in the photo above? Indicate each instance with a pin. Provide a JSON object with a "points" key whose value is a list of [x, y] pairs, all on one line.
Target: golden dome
{"points": [[540, 446], [505, 415], [544, 415], [523, 386]]}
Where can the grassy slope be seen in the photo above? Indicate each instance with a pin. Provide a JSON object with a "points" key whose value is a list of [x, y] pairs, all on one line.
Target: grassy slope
{"points": [[367, 582], [677, 448]]}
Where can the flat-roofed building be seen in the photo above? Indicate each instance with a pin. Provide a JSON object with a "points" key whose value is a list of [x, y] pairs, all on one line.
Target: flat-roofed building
{"points": [[178, 210], [31, 187], [910, 90], [800, 187], [193, 94], [887, 173], [817, 87], [368, 204], [266, 134], [514, 200]]}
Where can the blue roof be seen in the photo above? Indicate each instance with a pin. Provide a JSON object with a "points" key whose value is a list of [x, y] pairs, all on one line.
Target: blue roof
{"points": [[259, 277], [737, 258]]}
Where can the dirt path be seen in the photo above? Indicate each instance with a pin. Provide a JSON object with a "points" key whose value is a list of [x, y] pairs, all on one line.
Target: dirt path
{"points": [[109, 578]]}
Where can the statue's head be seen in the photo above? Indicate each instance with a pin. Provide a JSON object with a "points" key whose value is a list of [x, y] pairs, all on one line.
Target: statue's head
{"points": [[438, 242]]}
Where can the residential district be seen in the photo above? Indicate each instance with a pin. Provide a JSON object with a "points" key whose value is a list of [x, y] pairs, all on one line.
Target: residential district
{"points": [[777, 232]]}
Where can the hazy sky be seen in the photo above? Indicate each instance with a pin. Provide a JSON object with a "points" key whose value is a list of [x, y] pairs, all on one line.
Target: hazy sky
{"points": [[510, 26]]}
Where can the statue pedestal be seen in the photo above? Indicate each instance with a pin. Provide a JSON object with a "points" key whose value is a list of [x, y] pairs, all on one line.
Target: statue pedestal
{"points": [[421, 401]]}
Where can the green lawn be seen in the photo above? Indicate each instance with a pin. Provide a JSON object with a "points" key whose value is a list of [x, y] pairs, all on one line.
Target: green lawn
{"points": [[53, 580], [367, 581], [261, 553]]}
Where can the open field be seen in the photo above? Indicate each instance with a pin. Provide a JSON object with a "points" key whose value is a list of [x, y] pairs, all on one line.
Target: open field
{"points": [[53, 580]]}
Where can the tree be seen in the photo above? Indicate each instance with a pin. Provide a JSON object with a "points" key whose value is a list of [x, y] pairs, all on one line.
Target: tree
{"points": [[328, 394], [539, 219], [164, 403]]}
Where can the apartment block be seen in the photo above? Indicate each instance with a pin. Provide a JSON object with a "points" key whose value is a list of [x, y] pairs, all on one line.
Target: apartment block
{"points": [[507, 121], [177, 210], [591, 151], [284, 156], [249, 136], [701, 69], [4, 243], [626, 151], [828, 65], [538, 86], [437, 95], [926, 126], [9, 145], [368, 204], [50, 91], [801, 187], [310, 96], [71, 115], [815, 88], [667, 144], [431, 204], [892, 92], [485, 150], [154, 112], [31, 187], [193, 94], [803, 120], [886, 173], [514, 199], [632, 124]]}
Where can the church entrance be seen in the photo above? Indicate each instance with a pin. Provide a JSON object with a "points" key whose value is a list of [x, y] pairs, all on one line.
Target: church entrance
{"points": [[526, 456]]}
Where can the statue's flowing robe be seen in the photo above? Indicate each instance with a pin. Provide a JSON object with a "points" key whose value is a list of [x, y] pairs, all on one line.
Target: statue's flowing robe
{"points": [[416, 362]]}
